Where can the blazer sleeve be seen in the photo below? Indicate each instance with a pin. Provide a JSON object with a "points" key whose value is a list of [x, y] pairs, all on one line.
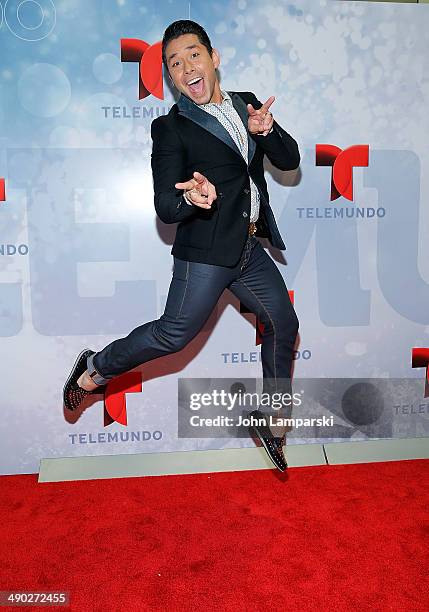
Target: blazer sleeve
{"points": [[168, 168], [279, 146]]}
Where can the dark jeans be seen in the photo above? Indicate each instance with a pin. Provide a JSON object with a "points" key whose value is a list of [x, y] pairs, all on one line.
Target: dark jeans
{"points": [[194, 291]]}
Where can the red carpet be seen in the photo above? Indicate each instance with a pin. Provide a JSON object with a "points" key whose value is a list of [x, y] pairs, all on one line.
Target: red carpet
{"points": [[325, 538]]}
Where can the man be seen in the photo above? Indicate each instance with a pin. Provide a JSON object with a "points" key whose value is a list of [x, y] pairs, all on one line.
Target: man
{"points": [[207, 165]]}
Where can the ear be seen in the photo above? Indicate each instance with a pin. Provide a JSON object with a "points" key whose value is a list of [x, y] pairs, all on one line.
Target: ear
{"points": [[215, 58]]}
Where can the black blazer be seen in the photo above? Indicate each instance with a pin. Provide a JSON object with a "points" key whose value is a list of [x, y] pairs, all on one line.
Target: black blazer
{"points": [[189, 139]]}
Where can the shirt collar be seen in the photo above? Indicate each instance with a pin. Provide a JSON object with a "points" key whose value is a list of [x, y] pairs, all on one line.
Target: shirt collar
{"points": [[225, 98]]}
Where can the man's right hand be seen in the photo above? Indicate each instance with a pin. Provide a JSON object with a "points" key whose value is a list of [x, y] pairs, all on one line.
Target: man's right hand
{"points": [[199, 190]]}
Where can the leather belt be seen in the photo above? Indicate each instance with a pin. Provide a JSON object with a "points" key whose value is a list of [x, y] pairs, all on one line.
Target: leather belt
{"points": [[252, 228]]}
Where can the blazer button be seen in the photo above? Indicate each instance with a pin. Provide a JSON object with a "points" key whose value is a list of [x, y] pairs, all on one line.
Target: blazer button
{"points": [[244, 213], [246, 191]]}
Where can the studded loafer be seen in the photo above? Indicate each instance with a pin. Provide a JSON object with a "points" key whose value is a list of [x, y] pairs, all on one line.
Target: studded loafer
{"points": [[272, 445], [73, 394]]}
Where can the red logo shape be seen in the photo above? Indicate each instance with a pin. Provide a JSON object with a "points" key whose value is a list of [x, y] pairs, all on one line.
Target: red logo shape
{"points": [[115, 401], [150, 70], [2, 190], [420, 359], [342, 162]]}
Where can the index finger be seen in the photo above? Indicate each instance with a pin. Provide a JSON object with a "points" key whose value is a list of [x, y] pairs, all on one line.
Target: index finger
{"points": [[266, 105], [186, 185]]}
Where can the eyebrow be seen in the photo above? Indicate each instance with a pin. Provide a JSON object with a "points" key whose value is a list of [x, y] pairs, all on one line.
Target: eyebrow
{"points": [[188, 47]]}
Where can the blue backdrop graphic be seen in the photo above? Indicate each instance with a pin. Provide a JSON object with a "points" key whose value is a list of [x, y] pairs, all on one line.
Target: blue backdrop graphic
{"points": [[83, 258]]}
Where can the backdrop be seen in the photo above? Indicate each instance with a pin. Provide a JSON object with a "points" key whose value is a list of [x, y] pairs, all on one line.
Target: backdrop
{"points": [[84, 259]]}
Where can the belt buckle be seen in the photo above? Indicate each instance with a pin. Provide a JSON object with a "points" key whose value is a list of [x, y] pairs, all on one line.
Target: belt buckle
{"points": [[252, 228]]}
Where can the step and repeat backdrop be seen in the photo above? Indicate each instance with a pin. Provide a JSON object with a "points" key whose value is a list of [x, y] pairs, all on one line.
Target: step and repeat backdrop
{"points": [[84, 259]]}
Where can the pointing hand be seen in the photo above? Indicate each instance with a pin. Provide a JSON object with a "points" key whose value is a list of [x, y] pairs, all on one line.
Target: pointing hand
{"points": [[199, 190], [260, 121]]}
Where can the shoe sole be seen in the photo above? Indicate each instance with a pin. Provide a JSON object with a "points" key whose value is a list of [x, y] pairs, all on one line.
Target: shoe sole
{"points": [[72, 373], [265, 445]]}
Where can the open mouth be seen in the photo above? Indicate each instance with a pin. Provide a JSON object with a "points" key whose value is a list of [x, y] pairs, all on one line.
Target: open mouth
{"points": [[196, 85]]}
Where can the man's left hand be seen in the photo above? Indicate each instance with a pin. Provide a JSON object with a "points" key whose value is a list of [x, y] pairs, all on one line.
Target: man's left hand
{"points": [[260, 121]]}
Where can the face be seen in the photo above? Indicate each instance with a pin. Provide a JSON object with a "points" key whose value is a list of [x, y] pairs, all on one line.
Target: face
{"points": [[193, 70]]}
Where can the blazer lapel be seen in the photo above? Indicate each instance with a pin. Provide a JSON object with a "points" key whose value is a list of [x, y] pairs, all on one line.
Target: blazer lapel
{"points": [[241, 108], [192, 111]]}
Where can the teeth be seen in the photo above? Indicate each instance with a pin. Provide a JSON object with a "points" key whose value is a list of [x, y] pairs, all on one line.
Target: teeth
{"points": [[194, 81]]}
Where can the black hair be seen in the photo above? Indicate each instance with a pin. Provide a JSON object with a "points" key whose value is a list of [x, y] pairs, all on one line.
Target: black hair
{"points": [[184, 26]]}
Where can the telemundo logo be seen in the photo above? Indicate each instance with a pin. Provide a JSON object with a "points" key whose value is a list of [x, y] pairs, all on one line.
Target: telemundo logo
{"points": [[13, 249]]}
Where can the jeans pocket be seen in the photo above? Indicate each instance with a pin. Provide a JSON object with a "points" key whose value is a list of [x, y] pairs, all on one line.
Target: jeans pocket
{"points": [[180, 269]]}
